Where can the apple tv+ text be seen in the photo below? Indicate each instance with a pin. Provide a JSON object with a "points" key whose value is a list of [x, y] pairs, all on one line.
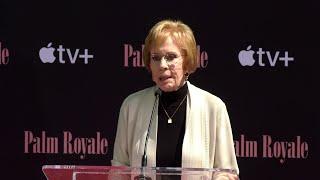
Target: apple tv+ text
{"points": [[247, 57], [46, 55]]}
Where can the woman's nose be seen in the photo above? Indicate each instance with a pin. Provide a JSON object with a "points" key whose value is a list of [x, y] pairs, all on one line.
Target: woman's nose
{"points": [[163, 63]]}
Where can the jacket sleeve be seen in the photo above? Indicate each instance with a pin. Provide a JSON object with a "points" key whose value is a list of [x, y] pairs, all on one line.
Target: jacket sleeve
{"points": [[224, 153], [120, 150]]}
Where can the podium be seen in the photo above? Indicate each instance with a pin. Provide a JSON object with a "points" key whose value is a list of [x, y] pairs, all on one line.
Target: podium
{"points": [[72, 172]]}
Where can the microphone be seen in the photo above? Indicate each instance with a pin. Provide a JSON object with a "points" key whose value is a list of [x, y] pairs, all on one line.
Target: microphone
{"points": [[144, 160]]}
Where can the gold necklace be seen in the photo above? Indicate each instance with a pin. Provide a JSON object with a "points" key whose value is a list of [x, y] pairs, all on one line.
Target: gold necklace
{"points": [[170, 117]]}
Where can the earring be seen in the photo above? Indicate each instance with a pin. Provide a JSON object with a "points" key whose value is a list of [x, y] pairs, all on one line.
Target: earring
{"points": [[186, 76]]}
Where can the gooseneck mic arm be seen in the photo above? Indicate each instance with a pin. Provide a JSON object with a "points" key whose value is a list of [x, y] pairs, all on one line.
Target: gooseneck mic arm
{"points": [[144, 161]]}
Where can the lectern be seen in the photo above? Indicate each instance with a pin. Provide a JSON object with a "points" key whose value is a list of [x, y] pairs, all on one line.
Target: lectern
{"points": [[71, 172]]}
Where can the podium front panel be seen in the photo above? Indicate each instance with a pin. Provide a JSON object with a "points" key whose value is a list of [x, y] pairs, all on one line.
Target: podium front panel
{"points": [[66, 172]]}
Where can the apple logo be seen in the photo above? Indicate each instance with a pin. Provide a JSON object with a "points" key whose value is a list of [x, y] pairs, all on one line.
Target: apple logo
{"points": [[246, 57], [46, 54]]}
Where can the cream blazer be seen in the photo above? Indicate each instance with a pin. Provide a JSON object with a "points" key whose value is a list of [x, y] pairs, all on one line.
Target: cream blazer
{"points": [[208, 141]]}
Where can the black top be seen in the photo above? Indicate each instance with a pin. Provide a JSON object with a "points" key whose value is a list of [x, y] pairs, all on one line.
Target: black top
{"points": [[170, 136]]}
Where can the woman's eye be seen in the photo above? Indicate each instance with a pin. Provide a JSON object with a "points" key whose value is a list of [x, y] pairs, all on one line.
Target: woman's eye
{"points": [[156, 58], [171, 57]]}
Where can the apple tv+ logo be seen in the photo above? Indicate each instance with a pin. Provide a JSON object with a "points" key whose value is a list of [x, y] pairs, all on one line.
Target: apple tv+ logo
{"points": [[46, 55], [246, 57]]}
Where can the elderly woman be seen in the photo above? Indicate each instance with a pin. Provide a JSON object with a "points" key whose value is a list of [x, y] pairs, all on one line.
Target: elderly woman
{"points": [[184, 125]]}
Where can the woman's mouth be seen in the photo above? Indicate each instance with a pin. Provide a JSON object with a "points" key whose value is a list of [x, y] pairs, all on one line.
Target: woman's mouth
{"points": [[163, 78]]}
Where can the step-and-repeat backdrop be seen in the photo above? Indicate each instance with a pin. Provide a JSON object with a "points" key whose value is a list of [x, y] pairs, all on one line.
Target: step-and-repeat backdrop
{"points": [[66, 67]]}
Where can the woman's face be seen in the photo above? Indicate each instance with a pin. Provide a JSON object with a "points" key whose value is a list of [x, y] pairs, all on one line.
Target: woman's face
{"points": [[166, 64]]}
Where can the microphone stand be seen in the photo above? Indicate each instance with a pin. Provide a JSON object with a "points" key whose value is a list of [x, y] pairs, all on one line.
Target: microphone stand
{"points": [[144, 159]]}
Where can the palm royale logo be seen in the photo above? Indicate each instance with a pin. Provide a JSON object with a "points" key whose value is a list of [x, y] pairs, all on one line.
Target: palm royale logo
{"points": [[81, 146], [269, 147], [4, 55], [246, 57], [133, 57], [47, 55]]}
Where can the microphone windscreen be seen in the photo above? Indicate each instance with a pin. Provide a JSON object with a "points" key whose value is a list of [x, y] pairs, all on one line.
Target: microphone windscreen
{"points": [[157, 92]]}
